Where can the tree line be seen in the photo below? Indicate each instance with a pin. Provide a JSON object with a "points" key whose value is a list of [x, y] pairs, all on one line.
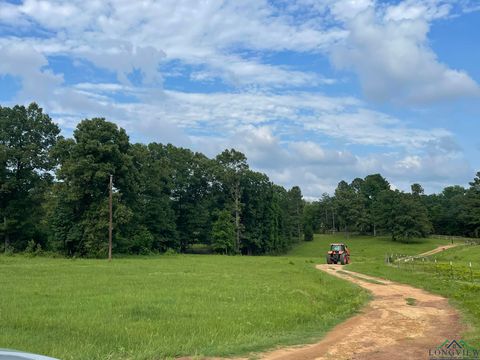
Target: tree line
{"points": [[54, 196], [54, 193], [371, 206]]}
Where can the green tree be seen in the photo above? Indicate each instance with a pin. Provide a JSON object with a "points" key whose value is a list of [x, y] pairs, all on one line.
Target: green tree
{"points": [[347, 205], [255, 200], [192, 176], [446, 211], [312, 216], [372, 186], [296, 205], [281, 229], [153, 208], [308, 233], [98, 149], [471, 211], [233, 165], [223, 233], [26, 138], [417, 189], [403, 216]]}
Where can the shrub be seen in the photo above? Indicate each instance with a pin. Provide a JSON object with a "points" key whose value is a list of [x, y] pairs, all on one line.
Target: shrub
{"points": [[170, 251], [308, 233]]}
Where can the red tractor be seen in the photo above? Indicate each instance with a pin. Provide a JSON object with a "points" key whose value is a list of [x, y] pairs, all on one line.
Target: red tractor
{"points": [[338, 253]]}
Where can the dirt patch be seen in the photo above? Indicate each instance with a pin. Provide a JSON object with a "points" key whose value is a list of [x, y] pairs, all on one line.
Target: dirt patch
{"points": [[439, 249], [388, 328]]}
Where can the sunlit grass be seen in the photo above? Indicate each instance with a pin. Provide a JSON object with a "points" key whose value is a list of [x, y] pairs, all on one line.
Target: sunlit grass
{"points": [[167, 306]]}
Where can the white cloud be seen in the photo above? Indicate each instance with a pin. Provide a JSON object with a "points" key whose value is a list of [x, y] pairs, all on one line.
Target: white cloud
{"points": [[298, 137], [28, 65], [123, 35], [381, 43], [388, 49], [367, 127]]}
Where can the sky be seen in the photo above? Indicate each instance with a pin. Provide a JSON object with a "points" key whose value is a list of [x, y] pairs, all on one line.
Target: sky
{"points": [[312, 91]]}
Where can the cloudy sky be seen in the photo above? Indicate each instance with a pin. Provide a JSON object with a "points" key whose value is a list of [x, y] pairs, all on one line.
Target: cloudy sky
{"points": [[312, 91]]}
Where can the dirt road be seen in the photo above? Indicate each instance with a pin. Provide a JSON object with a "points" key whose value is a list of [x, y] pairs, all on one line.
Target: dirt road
{"points": [[438, 250], [401, 322]]}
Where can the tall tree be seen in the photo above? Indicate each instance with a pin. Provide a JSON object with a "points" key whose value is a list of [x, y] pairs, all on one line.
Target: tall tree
{"points": [[471, 213], [402, 215], [223, 233], [347, 205], [26, 138], [153, 208], [233, 165], [192, 176], [372, 186], [417, 189], [296, 205], [446, 210], [98, 148]]}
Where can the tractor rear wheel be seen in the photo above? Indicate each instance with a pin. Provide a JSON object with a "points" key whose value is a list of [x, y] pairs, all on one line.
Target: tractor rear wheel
{"points": [[342, 259], [328, 259]]}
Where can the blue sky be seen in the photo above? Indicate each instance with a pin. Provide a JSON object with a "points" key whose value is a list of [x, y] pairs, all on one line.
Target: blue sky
{"points": [[311, 91]]}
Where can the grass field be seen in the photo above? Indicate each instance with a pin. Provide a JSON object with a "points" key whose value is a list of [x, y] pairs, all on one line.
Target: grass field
{"points": [[365, 249], [167, 306]]}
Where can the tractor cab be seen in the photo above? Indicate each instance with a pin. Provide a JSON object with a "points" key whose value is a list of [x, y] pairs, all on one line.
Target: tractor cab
{"points": [[338, 253]]}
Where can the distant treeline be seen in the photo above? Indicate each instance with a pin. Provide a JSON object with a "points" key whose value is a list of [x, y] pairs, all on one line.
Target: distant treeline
{"points": [[54, 193], [54, 196], [369, 206]]}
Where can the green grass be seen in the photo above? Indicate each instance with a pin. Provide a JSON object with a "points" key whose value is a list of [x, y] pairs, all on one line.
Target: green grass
{"points": [[364, 248], [368, 256], [461, 255], [167, 306], [145, 308], [411, 301]]}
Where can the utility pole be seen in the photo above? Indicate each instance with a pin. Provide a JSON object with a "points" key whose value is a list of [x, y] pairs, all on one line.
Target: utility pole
{"points": [[110, 223]]}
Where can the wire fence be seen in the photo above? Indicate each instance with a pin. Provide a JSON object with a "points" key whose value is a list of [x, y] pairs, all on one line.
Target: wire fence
{"points": [[464, 271], [452, 239]]}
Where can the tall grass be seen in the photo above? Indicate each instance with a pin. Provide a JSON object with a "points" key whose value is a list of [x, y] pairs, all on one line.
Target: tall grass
{"points": [[167, 306]]}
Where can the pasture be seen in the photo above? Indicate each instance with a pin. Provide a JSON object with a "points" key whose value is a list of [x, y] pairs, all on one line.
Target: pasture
{"points": [[157, 307], [167, 306]]}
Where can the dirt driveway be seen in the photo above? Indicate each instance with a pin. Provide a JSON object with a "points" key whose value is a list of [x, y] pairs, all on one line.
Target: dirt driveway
{"points": [[401, 322]]}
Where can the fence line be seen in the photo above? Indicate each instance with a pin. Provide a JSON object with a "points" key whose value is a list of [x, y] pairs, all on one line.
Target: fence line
{"points": [[452, 238], [469, 271]]}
